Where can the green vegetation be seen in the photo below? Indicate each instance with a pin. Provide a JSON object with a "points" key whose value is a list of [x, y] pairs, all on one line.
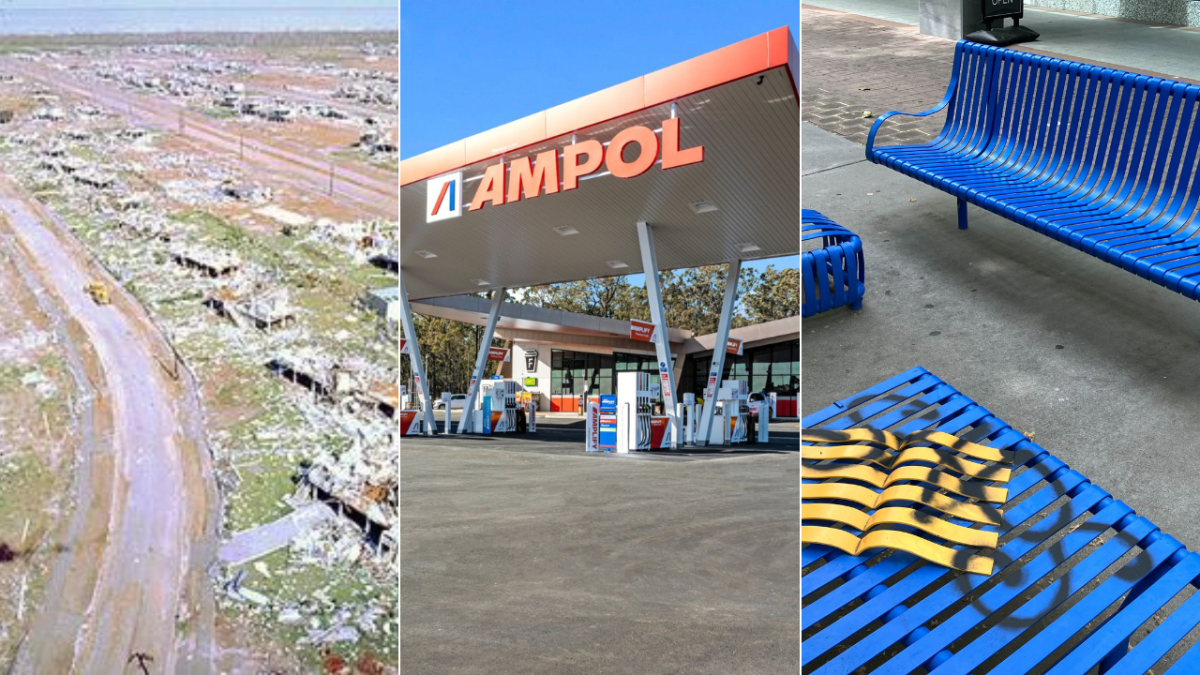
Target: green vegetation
{"points": [[692, 298]]}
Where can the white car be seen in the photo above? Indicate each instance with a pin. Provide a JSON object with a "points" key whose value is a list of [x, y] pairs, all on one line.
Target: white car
{"points": [[756, 399], [457, 401]]}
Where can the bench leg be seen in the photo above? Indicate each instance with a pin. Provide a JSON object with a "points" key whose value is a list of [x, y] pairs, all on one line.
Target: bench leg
{"points": [[962, 214]]}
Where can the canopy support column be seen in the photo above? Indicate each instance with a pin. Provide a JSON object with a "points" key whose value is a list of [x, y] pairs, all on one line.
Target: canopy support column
{"points": [[414, 357], [718, 357], [467, 421], [659, 317]]}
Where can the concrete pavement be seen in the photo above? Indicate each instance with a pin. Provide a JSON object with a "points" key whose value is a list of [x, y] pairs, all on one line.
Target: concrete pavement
{"points": [[1097, 362], [527, 555], [1125, 44]]}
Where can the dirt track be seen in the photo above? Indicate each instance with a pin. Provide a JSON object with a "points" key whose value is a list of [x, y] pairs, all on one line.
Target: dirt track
{"points": [[129, 575]]}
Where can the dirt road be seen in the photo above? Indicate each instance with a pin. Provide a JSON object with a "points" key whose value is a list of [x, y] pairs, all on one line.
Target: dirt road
{"points": [[127, 576], [374, 191]]}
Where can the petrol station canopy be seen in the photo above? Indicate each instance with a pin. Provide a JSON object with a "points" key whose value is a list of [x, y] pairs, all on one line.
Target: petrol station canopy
{"points": [[738, 200]]}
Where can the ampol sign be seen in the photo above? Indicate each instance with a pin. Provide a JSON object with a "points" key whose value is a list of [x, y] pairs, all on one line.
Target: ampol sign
{"points": [[527, 178], [444, 199]]}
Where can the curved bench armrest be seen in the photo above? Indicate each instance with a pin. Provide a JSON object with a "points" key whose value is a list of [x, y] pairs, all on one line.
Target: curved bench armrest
{"points": [[935, 109]]}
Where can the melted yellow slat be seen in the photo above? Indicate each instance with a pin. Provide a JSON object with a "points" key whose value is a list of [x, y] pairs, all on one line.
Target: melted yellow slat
{"points": [[867, 453], [894, 442], [901, 541], [859, 435], [885, 459], [882, 479], [899, 515], [957, 444], [976, 513]]}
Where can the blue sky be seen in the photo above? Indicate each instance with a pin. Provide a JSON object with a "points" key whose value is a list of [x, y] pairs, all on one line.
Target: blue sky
{"points": [[466, 67]]}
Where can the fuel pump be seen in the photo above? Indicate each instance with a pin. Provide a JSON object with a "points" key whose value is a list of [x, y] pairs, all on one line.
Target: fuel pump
{"points": [[508, 390], [735, 406], [688, 417], [634, 409], [531, 406], [497, 411], [764, 423]]}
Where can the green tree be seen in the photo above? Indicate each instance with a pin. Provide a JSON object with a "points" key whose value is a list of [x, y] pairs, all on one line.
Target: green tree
{"points": [[610, 297], [771, 295], [448, 350], [693, 298]]}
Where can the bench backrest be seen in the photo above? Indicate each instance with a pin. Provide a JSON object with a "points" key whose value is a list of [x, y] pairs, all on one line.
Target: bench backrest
{"points": [[1107, 134]]}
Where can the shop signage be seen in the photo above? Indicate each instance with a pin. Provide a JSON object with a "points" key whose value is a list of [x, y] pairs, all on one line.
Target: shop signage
{"points": [[530, 177], [498, 354], [403, 346], [733, 346], [530, 360], [531, 382], [997, 9], [641, 330]]}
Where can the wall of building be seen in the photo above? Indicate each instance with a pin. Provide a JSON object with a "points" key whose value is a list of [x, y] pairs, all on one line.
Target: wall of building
{"points": [[1173, 12]]}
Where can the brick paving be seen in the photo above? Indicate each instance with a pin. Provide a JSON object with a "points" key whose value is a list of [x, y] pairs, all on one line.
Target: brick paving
{"points": [[854, 64]]}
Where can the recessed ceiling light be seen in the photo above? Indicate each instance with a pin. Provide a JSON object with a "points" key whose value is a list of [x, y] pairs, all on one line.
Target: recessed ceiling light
{"points": [[481, 282], [703, 207], [748, 247], [427, 254], [566, 230], [617, 264]]}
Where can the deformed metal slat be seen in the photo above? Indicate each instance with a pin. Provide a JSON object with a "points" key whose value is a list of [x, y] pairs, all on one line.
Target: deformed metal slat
{"points": [[890, 600]]}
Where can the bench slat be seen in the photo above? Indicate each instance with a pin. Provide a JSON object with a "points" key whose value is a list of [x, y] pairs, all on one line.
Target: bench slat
{"points": [[866, 610]]}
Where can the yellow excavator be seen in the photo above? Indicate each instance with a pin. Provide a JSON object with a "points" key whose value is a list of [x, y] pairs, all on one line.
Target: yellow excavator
{"points": [[98, 291]]}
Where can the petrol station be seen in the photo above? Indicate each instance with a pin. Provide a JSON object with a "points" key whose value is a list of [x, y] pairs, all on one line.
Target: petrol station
{"points": [[695, 164]]}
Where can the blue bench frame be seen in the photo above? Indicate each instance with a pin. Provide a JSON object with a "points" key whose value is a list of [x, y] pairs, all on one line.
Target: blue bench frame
{"points": [[832, 275], [1079, 153], [844, 594]]}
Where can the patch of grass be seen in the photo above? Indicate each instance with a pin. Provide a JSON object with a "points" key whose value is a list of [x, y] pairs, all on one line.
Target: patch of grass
{"points": [[27, 480], [219, 112], [258, 499]]}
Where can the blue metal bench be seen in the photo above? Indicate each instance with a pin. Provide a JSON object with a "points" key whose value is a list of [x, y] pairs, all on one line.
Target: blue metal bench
{"points": [[832, 275], [1099, 159], [897, 613]]}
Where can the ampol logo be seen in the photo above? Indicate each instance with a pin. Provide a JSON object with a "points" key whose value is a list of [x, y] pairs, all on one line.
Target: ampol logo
{"points": [[443, 197]]}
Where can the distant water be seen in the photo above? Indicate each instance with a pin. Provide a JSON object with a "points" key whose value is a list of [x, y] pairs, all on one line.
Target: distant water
{"points": [[57, 21]]}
